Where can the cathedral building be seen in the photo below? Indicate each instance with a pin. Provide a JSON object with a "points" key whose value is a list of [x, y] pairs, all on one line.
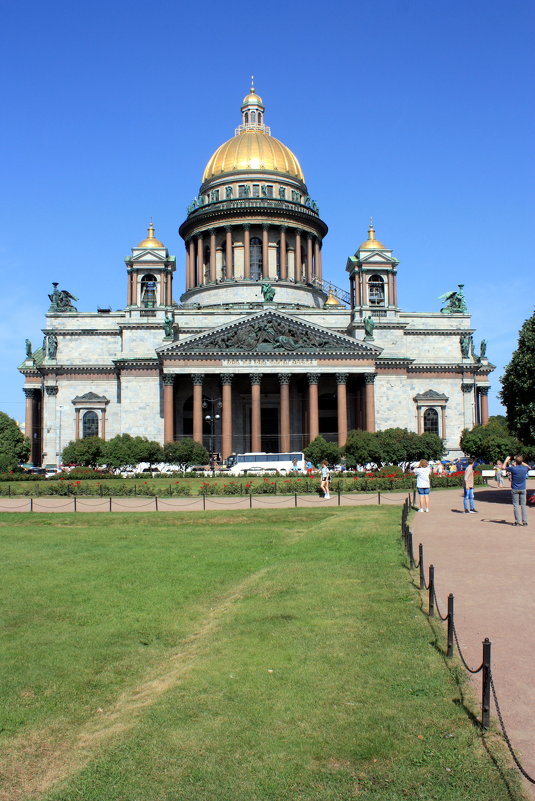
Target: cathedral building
{"points": [[260, 352]]}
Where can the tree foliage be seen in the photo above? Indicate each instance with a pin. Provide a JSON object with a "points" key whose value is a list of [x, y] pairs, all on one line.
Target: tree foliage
{"points": [[319, 449], [490, 442], [86, 452], [518, 385], [185, 453], [14, 446], [125, 451], [396, 446]]}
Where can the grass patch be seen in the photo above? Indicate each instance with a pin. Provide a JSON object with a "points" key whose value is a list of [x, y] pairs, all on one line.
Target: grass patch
{"points": [[259, 656]]}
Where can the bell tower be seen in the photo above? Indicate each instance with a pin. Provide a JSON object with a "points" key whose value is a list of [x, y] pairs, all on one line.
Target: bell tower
{"points": [[373, 278], [150, 271]]}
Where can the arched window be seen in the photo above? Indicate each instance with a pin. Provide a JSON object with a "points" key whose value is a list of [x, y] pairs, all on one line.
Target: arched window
{"points": [[148, 291], [246, 118], [430, 421], [90, 425], [256, 258], [376, 291], [253, 117], [260, 118]]}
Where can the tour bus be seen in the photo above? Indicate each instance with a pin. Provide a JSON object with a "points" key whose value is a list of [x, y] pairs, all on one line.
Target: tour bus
{"points": [[266, 462]]}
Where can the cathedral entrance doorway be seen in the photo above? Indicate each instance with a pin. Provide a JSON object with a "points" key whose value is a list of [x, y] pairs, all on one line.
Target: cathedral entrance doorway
{"points": [[270, 429]]}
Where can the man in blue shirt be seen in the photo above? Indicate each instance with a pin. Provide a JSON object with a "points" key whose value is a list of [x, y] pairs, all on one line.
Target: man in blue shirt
{"points": [[518, 473]]}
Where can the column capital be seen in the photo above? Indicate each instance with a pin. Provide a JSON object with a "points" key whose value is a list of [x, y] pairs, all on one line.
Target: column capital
{"points": [[283, 228], [228, 228], [30, 392], [211, 231], [168, 379], [369, 378], [309, 235], [256, 378], [298, 231], [266, 226], [197, 378], [52, 390], [247, 226], [187, 242], [284, 378], [467, 387], [313, 378], [226, 378], [483, 390], [341, 378]]}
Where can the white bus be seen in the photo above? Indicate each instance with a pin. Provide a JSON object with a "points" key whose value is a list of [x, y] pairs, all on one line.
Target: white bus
{"points": [[266, 463]]}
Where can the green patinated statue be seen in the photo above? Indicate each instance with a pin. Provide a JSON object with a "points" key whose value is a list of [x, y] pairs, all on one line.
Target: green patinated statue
{"points": [[61, 300], [168, 326], [52, 348], [455, 302], [28, 349], [466, 343], [369, 325], [483, 349], [268, 291]]}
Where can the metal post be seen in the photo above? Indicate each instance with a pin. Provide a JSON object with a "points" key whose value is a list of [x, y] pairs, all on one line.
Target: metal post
{"points": [[379, 497], [204, 500], [250, 500], [421, 560], [409, 546], [156, 503], [338, 496], [450, 625], [485, 695], [74, 499], [431, 591], [31, 504], [110, 503], [296, 500]]}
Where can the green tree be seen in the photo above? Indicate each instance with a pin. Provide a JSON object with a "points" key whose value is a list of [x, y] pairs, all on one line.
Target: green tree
{"points": [[147, 450], [120, 452], [319, 449], [518, 385], [14, 446], [490, 442], [185, 453], [86, 452]]}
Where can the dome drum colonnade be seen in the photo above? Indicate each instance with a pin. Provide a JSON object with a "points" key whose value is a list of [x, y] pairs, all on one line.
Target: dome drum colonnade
{"points": [[359, 407]]}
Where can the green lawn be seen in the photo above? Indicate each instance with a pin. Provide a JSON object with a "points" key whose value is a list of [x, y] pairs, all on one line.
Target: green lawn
{"points": [[249, 656]]}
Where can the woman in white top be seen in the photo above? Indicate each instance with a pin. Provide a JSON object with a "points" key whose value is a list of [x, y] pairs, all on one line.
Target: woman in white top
{"points": [[325, 480], [423, 484]]}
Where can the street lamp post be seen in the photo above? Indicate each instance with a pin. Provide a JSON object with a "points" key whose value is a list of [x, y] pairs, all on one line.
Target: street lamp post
{"points": [[212, 406]]}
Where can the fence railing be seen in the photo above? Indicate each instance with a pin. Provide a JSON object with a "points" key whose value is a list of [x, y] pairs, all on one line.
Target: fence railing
{"points": [[488, 688]]}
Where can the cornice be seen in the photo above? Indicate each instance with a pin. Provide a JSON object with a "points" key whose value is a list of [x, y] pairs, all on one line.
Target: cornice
{"points": [[440, 332]]}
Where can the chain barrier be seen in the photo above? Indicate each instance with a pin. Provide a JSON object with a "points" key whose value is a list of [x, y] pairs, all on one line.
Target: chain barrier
{"points": [[233, 501], [54, 506], [9, 508], [442, 617], [269, 501], [193, 502], [135, 508], [522, 770]]}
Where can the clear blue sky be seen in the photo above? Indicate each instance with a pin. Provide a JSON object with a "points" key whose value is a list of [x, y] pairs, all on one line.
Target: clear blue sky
{"points": [[419, 113]]}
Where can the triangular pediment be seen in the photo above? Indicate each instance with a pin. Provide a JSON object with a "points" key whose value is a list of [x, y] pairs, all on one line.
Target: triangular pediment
{"points": [[148, 255], [270, 334], [377, 257], [90, 396]]}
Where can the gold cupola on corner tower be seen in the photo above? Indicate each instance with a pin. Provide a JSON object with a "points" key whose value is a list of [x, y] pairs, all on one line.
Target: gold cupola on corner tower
{"points": [[150, 271], [373, 277]]}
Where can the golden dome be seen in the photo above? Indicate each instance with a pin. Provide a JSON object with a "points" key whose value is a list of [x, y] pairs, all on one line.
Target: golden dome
{"points": [[372, 243], [252, 99], [253, 150], [151, 241], [332, 300]]}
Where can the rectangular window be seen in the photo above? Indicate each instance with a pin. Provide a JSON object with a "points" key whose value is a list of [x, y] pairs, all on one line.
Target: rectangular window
{"points": [[256, 190], [269, 191], [241, 191]]}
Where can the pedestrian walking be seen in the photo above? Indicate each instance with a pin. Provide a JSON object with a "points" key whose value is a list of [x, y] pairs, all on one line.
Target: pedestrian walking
{"points": [[423, 484], [468, 487], [519, 473], [325, 480]]}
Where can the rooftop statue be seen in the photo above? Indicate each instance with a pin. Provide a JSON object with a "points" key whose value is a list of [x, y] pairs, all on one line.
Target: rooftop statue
{"points": [[60, 300], [466, 342], [369, 325], [28, 349], [268, 291], [168, 326], [456, 303], [483, 349], [52, 346]]}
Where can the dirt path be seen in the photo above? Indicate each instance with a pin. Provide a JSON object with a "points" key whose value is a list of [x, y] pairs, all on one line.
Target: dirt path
{"points": [[33, 763], [489, 566]]}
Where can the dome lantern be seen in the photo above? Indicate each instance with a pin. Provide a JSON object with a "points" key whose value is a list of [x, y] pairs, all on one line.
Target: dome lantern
{"points": [[252, 112]]}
